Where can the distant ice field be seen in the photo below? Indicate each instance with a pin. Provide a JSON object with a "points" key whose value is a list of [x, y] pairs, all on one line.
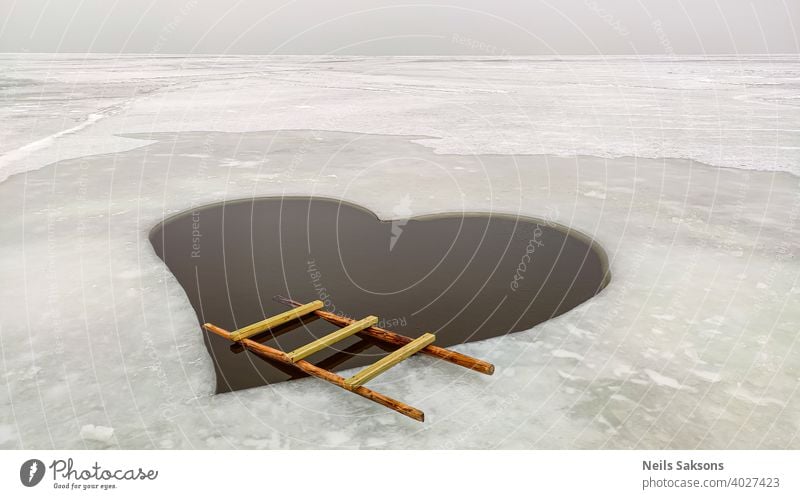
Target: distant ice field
{"points": [[739, 112]]}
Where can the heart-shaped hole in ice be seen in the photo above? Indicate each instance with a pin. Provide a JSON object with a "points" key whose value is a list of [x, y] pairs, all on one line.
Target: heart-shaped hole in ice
{"points": [[466, 277]]}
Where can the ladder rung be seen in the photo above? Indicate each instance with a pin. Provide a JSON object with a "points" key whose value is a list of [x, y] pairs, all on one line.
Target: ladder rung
{"points": [[328, 340], [390, 360], [275, 320]]}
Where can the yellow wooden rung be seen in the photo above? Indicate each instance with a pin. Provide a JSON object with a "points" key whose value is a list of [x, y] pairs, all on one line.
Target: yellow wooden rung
{"points": [[328, 340], [390, 360], [275, 320]]}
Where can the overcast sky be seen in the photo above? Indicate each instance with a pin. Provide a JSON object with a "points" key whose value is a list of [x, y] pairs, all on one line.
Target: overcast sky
{"points": [[376, 27]]}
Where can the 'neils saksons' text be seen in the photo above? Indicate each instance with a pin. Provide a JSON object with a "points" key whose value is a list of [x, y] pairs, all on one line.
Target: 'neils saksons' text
{"points": [[664, 465]]}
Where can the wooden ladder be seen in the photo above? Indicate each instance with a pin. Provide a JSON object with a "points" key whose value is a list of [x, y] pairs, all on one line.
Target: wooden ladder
{"points": [[366, 329]]}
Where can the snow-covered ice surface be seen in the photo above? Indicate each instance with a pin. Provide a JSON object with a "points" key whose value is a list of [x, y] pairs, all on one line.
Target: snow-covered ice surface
{"points": [[693, 344], [723, 110]]}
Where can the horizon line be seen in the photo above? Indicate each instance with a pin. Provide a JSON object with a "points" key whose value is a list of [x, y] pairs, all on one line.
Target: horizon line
{"points": [[186, 54]]}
